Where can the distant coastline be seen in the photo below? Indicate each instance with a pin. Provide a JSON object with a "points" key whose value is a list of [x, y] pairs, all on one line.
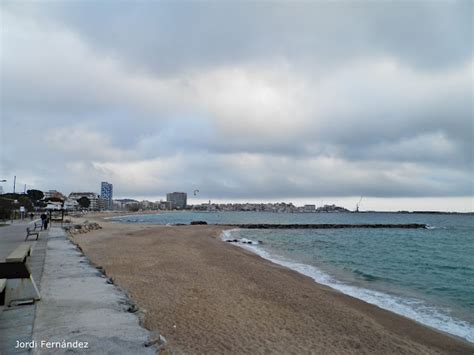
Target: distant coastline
{"points": [[417, 212]]}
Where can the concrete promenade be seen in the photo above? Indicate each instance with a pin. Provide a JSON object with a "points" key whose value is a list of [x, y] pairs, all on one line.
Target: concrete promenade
{"points": [[16, 323], [78, 304]]}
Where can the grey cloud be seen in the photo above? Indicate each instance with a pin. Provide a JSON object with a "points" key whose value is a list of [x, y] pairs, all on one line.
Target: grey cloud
{"points": [[135, 90], [167, 36], [276, 177]]}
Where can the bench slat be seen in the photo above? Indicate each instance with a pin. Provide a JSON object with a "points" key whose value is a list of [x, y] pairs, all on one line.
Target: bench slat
{"points": [[30, 231], [14, 271], [19, 254], [3, 285]]}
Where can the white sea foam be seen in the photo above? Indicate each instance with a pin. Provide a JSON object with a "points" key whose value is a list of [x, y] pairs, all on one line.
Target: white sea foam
{"points": [[227, 236], [412, 308]]}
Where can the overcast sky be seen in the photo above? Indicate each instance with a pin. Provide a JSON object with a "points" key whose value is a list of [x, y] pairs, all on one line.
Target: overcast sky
{"points": [[288, 101]]}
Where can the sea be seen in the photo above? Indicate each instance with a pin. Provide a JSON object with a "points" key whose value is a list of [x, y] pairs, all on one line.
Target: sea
{"points": [[423, 274]]}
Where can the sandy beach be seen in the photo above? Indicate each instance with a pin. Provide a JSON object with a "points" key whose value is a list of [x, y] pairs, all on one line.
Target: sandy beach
{"points": [[207, 296]]}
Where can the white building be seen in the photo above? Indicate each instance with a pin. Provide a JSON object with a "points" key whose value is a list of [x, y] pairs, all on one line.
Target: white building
{"points": [[71, 205], [309, 208], [93, 198], [53, 193]]}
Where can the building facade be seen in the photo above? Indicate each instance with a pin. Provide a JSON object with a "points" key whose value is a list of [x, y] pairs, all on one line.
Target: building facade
{"points": [[53, 194], [177, 200], [92, 196], [106, 195], [309, 208]]}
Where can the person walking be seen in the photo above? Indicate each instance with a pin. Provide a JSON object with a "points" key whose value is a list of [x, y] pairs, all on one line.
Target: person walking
{"points": [[46, 222], [43, 219]]}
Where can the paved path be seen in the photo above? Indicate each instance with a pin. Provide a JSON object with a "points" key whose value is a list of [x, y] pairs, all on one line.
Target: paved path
{"points": [[13, 235], [77, 303], [16, 323]]}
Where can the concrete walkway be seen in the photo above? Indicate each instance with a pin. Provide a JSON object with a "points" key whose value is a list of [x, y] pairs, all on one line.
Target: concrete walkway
{"points": [[79, 304], [16, 323], [79, 307]]}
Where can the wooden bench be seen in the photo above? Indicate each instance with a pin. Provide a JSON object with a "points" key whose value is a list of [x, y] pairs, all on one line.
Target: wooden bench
{"points": [[3, 286], [31, 232], [19, 285], [38, 226]]}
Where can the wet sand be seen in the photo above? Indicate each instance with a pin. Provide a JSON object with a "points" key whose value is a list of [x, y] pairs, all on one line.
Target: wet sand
{"points": [[207, 296]]}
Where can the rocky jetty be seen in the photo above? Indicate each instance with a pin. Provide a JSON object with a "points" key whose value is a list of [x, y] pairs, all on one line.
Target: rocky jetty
{"points": [[326, 226]]}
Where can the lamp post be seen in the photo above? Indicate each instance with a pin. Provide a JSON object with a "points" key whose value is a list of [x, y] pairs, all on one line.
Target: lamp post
{"points": [[15, 202]]}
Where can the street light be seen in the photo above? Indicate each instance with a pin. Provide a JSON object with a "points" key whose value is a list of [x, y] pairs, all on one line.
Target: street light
{"points": [[1, 188], [13, 213]]}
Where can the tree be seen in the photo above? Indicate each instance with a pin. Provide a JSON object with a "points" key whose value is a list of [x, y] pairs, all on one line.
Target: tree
{"points": [[6, 208], [11, 196], [134, 207], [84, 202], [25, 201], [35, 195], [40, 204], [12, 203]]}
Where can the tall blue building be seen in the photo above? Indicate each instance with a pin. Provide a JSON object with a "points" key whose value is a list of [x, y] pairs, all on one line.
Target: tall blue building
{"points": [[106, 194]]}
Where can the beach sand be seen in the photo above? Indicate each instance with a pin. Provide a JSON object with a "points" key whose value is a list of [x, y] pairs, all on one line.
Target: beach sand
{"points": [[207, 296]]}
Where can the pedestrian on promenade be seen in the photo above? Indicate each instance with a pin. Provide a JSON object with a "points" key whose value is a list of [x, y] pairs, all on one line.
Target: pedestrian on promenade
{"points": [[46, 222], [43, 218]]}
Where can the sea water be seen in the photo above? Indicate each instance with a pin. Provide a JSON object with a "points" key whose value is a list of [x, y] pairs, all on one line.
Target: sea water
{"points": [[424, 274]]}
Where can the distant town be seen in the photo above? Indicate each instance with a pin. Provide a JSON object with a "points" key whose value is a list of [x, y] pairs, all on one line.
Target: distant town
{"points": [[33, 200], [14, 205]]}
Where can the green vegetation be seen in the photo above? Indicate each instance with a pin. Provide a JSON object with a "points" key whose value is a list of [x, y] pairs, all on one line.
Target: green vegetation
{"points": [[135, 207], [5, 208], [35, 195], [10, 203], [84, 202]]}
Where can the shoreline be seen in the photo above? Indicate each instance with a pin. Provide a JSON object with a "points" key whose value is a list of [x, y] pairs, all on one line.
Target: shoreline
{"points": [[399, 332], [376, 298]]}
